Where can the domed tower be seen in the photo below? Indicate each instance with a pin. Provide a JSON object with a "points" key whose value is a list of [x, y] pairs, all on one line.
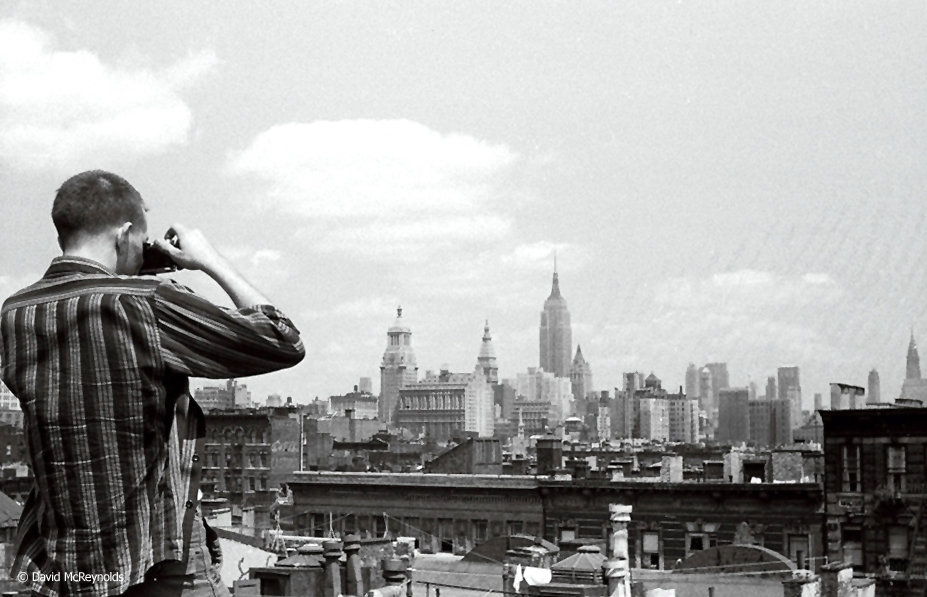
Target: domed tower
{"points": [[487, 359], [556, 335], [397, 370]]}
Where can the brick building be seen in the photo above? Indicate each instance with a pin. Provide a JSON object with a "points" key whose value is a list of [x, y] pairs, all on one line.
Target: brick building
{"points": [[445, 513], [12, 443], [249, 453], [875, 495], [671, 520]]}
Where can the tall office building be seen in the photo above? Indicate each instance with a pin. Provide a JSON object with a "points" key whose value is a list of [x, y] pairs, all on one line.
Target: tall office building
{"points": [[487, 359], [691, 381], [790, 389], [771, 392], [875, 391], [770, 423], [733, 415], [714, 378], [538, 385], [913, 388], [556, 336], [397, 370], [580, 376]]}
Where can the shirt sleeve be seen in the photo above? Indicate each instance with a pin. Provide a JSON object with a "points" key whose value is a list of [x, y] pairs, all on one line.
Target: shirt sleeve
{"points": [[201, 339]]}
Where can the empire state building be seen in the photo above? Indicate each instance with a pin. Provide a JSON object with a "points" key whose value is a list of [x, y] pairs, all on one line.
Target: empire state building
{"points": [[556, 337]]}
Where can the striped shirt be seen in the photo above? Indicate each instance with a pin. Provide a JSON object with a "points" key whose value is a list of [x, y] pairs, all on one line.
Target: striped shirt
{"points": [[100, 364]]}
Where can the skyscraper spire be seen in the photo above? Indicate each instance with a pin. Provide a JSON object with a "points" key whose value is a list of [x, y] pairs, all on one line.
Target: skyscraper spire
{"points": [[913, 369], [555, 287], [556, 338], [487, 359]]}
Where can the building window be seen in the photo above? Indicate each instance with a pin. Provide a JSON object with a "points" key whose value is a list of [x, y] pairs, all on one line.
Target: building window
{"points": [[567, 534], [853, 545], [650, 550], [515, 527], [799, 549], [263, 483], [251, 483], [480, 531], [350, 524], [318, 527], [898, 548], [852, 481], [264, 459], [696, 542], [896, 469]]}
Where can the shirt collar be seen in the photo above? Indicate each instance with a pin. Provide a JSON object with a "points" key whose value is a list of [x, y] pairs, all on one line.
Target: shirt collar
{"points": [[69, 264]]}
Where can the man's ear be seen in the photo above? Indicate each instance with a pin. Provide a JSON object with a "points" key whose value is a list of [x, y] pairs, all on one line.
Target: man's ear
{"points": [[122, 235]]}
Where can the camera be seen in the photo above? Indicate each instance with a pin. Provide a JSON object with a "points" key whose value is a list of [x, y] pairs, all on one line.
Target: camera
{"points": [[156, 261]]}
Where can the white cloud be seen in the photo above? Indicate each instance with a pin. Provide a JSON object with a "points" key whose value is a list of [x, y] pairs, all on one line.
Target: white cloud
{"points": [[361, 168], [747, 290], [382, 189], [60, 108], [414, 239], [373, 308], [540, 255]]}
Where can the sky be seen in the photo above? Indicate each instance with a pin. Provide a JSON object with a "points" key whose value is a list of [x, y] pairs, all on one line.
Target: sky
{"points": [[720, 181]]}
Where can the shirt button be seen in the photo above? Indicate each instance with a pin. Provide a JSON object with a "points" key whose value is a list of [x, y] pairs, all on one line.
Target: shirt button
{"points": [[196, 458], [189, 504]]}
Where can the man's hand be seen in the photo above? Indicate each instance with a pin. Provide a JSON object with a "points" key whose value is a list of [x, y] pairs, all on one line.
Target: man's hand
{"points": [[193, 251]]}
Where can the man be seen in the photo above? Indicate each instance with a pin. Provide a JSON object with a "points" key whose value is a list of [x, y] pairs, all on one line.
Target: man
{"points": [[100, 359]]}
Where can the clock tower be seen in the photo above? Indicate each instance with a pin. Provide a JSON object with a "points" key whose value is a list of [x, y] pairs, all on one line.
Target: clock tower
{"points": [[397, 370]]}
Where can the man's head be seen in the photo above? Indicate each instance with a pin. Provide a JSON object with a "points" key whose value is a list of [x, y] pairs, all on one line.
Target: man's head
{"points": [[102, 214]]}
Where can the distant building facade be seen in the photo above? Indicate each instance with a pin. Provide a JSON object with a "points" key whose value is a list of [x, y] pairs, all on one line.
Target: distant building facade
{"points": [[712, 379], [733, 416], [537, 385], [580, 376], [789, 383], [683, 417], [11, 412], [556, 335], [362, 404], [232, 395], [875, 389], [692, 381], [397, 370], [441, 405], [770, 423]]}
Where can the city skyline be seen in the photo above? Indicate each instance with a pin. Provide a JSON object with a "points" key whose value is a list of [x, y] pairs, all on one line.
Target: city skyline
{"points": [[720, 183]]}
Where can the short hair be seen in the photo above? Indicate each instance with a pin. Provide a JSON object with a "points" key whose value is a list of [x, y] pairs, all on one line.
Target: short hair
{"points": [[91, 202]]}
